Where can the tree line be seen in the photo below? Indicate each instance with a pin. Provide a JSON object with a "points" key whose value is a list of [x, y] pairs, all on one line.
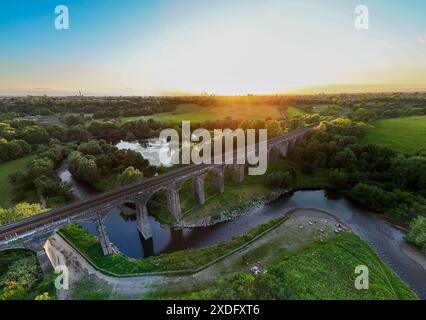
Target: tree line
{"points": [[379, 177]]}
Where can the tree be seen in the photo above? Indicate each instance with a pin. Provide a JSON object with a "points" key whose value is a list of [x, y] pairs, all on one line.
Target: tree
{"points": [[20, 278], [55, 153], [103, 129], [43, 296], [47, 186], [57, 132], [409, 173], [73, 120], [280, 179], [344, 159], [274, 128], [35, 135], [19, 211], [92, 147], [87, 170], [134, 159], [130, 175], [417, 232], [14, 149], [78, 133], [39, 167], [6, 131]]}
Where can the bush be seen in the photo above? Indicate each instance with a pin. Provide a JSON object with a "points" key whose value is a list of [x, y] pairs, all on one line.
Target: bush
{"points": [[280, 179], [130, 175], [20, 211], [417, 232], [400, 205], [307, 168]]}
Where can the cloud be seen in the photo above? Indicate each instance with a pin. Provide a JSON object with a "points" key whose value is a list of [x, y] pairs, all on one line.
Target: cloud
{"points": [[421, 40]]}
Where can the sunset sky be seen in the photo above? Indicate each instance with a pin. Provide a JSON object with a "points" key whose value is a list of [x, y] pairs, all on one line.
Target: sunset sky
{"points": [[226, 47]]}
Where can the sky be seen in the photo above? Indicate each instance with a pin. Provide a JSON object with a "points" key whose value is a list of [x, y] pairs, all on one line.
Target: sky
{"points": [[136, 47]]}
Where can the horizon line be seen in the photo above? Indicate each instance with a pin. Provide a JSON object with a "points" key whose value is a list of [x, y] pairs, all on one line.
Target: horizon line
{"points": [[332, 89]]}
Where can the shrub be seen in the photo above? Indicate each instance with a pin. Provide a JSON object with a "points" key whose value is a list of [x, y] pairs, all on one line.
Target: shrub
{"points": [[417, 232], [280, 179]]}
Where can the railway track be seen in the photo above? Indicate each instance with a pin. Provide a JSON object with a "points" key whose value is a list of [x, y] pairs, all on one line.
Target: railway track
{"points": [[52, 216]]}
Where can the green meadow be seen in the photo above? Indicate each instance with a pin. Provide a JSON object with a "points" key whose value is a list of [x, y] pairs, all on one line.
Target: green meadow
{"points": [[314, 270], [6, 188], [196, 113], [404, 134]]}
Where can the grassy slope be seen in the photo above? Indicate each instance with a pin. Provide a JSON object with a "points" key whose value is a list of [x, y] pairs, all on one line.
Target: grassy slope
{"points": [[403, 134], [327, 272], [5, 187], [196, 113], [316, 271]]}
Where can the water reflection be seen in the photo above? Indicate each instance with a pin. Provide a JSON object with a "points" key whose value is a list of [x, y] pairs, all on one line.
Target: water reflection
{"points": [[80, 190], [149, 149], [387, 240]]}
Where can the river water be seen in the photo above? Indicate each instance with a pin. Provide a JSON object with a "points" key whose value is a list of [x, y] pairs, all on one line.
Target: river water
{"points": [[387, 240], [149, 149], [80, 190]]}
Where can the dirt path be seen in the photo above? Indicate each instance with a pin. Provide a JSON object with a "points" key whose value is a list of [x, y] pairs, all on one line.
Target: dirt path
{"points": [[302, 227]]}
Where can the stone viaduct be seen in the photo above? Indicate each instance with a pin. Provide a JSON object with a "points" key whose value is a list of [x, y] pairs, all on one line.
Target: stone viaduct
{"points": [[32, 233]]}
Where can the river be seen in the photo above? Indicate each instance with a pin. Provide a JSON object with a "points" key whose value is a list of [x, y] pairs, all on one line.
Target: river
{"points": [[80, 190], [387, 240]]}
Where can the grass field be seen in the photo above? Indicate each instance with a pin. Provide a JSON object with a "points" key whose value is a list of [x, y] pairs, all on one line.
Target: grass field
{"points": [[404, 134], [5, 187], [294, 112], [196, 113], [312, 271]]}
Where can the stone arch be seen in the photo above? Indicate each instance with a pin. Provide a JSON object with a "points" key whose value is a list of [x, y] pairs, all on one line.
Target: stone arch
{"points": [[42, 259], [37, 246], [163, 201], [128, 209], [156, 202], [192, 191], [14, 247]]}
